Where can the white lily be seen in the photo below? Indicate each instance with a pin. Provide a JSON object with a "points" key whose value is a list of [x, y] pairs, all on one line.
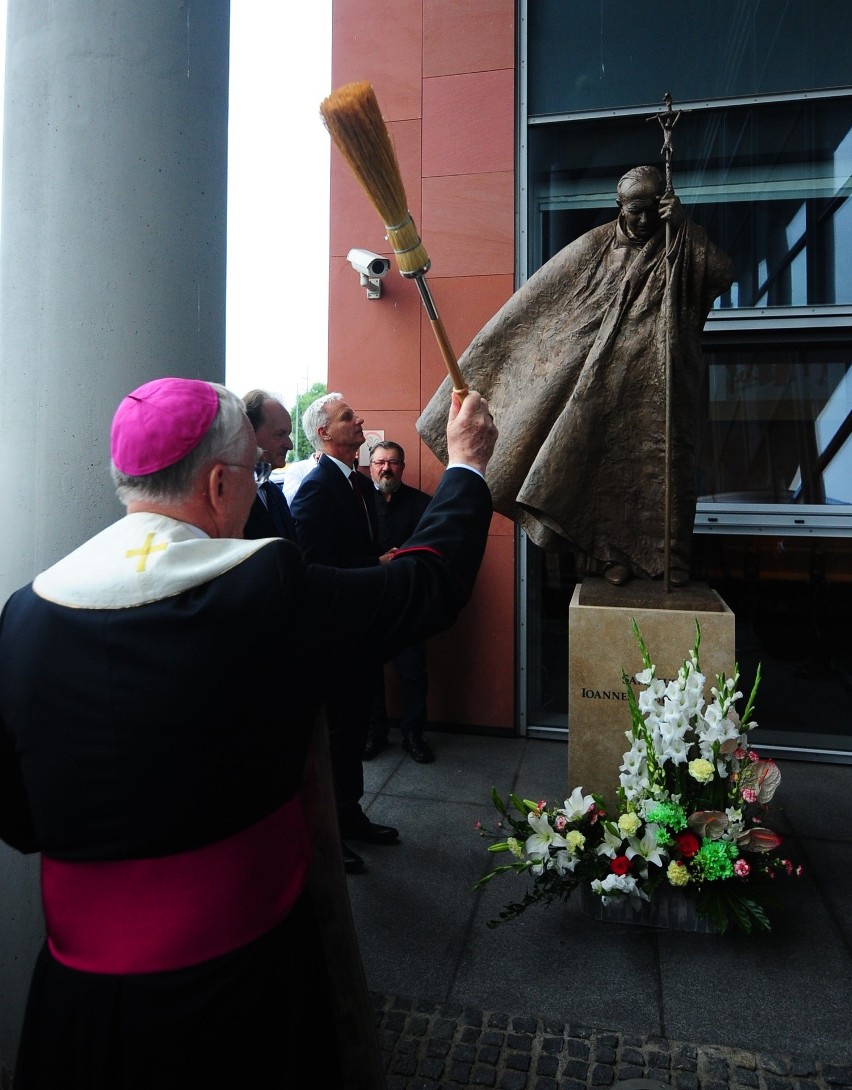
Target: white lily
{"points": [[539, 844], [611, 843], [578, 805], [647, 848]]}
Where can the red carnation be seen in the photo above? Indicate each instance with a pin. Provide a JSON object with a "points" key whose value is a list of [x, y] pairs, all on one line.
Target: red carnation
{"points": [[620, 865], [687, 844]]}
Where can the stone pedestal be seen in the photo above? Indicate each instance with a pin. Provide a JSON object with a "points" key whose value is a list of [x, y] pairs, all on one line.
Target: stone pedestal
{"points": [[601, 643]]}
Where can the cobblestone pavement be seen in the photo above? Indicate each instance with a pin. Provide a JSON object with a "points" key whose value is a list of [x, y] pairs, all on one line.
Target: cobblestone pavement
{"points": [[427, 1047]]}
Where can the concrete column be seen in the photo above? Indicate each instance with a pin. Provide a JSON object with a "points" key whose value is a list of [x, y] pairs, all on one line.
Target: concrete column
{"points": [[113, 273]]}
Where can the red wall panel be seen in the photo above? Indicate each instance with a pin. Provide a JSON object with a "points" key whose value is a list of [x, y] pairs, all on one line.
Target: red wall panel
{"points": [[469, 224], [468, 37], [468, 124], [380, 41], [443, 73]]}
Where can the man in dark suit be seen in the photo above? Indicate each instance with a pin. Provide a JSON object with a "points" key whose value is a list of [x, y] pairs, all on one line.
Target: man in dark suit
{"points": [[398, 510], [335, 517], [270, 513]]}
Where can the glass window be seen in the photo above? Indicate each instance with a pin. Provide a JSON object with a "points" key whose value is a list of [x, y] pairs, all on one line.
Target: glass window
{"points": [[776, 426], [596, 54], [770, 184]]}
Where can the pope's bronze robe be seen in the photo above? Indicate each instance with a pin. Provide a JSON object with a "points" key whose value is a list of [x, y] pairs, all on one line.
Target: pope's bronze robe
{"points": [[573, 367]]}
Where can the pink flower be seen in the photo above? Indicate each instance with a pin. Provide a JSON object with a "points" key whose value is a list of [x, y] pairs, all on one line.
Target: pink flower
{"points": [[749, 794], [560, 822], [741, 868]]}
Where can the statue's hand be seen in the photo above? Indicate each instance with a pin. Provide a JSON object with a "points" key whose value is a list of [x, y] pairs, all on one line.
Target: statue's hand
{"points": [[671, 210]]}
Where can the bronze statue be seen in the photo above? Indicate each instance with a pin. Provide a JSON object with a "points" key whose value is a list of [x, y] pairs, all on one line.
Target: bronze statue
{"points": [[574, 369]]}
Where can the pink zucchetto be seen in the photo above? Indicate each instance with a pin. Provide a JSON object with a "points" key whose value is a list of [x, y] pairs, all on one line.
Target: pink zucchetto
{"points": [[160, 423]]}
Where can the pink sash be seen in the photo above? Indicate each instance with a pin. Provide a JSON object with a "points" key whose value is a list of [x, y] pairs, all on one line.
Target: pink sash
{"points": [[154, 915]]}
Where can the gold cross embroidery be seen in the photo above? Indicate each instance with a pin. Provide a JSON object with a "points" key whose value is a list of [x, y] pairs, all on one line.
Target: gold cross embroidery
{"points": [[144, 552]]}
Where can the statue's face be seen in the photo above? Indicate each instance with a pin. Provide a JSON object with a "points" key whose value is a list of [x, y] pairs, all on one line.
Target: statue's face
{"points": [[639, 204]]}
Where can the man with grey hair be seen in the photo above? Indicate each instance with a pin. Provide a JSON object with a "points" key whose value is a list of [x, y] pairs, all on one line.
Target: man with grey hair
{"points": [[185, 942], [335, 516]]}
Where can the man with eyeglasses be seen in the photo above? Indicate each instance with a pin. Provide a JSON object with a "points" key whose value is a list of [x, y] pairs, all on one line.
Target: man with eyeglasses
{"points": [[146, 756], [270, 513], [398, 510]]}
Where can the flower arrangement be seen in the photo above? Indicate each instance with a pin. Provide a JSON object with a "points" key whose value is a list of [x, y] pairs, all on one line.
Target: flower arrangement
{"points": [[690, 816]]}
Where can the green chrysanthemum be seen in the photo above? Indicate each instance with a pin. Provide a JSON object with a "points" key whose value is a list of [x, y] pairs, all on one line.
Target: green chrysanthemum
{"points": [[668, 814], [714, 859]]}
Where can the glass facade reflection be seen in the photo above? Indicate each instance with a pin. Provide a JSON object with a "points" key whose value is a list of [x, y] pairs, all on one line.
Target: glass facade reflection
{"points": [[776, 427], [771, 185], [609, 54], [763, 161]]}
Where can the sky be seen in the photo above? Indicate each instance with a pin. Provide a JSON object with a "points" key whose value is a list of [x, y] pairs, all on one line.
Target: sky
{"points": [[279, 156], [278, 198]]}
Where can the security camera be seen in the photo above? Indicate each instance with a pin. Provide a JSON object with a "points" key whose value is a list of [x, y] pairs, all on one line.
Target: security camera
{"points": [[368, 264], [371, 267]]}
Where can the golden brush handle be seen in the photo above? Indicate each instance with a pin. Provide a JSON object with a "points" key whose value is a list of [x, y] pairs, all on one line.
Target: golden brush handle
{"points": [[459, 384]]}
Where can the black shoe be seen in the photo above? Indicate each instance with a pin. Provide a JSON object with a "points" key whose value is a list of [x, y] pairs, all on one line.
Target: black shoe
{"points": [[352, 862], [419, 749], [368, 832], [374, 746]]}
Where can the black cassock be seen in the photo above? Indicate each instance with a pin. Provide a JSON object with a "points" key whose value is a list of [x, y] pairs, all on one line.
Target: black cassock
{"points": [[156, 756]]}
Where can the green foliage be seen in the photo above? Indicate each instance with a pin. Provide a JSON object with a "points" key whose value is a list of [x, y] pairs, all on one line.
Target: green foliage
{"points": [[725, 908], [301, 447], [509, 836]]}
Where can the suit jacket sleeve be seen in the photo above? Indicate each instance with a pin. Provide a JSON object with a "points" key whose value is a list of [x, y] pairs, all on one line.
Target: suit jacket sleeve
{"points": [[421, 591]]}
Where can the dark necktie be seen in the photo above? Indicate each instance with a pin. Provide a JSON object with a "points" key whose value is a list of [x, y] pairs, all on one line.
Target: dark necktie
{"points": [[362, 503], [279, 512]]}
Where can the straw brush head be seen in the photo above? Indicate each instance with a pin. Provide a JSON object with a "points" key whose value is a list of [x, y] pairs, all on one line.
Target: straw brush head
{"points": [[355, 123]]}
